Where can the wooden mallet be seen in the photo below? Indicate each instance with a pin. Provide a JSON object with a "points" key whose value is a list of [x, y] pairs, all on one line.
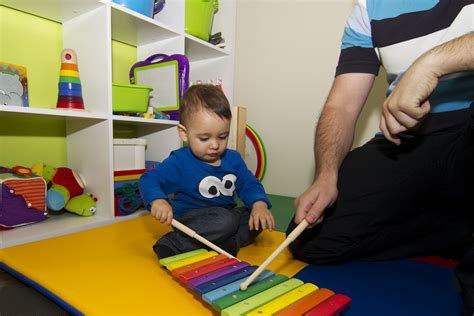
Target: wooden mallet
{"points": [[291, 237], [191, 233]]}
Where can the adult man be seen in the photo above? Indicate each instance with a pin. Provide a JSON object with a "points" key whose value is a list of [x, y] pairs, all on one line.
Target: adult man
{"points": [[406, 192]]}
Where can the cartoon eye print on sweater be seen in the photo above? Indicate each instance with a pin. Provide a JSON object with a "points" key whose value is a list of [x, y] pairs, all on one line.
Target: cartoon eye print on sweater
{"points": [[211, 187]]}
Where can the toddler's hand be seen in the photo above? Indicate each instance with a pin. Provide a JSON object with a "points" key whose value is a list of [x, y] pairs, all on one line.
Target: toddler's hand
{"points": [[260, 215], [162, 211]]}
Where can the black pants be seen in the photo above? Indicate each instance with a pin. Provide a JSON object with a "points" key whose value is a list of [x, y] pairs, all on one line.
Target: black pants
{"points": [[400, 201], [227, 228]]}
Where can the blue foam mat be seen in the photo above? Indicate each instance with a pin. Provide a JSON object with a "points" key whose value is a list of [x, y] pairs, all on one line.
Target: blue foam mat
{"points": [[399, 287]]}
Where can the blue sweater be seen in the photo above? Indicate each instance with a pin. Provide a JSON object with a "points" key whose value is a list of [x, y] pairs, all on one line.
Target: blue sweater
{"points": [[196, 184]]}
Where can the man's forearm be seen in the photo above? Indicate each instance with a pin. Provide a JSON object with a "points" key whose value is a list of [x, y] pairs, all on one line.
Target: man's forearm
{"points": [[333, 141], [335, 131], [456, 55]]}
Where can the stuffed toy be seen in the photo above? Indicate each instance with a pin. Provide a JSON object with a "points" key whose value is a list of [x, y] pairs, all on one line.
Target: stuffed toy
{"points": [[66, 191], [22, 198], [84, 205], [66, 184]]}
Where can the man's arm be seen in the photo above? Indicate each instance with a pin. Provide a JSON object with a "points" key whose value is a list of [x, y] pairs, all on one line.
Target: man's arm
{"points": [[333, 140], [408, 104]]}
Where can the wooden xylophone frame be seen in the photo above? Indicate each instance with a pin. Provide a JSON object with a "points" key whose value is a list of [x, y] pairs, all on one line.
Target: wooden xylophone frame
{"points": [[215, 278]]}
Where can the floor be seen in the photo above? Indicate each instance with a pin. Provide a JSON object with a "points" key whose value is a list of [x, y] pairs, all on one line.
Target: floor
{"points": [[17, 298]]}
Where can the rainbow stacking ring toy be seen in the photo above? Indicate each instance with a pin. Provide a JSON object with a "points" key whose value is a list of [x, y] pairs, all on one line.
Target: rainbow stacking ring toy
{"points": [[70, 90]]}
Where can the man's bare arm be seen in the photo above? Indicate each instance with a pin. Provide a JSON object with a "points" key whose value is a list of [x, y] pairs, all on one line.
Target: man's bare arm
{"points": [[333, 140], [408, 104]]}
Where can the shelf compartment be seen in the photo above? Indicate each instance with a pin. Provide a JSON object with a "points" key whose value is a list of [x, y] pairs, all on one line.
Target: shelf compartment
{"points": [[62, 141], [135, 127], [161, 137], [135, 29], [55, 10], [197, 49]]}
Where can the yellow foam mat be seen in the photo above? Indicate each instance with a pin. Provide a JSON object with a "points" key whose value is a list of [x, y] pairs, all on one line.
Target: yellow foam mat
{"points": [[113, 270]]}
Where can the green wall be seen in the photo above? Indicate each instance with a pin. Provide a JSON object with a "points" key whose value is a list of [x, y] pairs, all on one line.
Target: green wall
{"points": [[36, 44], [123, 58]]}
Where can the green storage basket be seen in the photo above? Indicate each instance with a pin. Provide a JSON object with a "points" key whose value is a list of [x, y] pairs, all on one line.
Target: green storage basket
{"points": [[199, 17], [130, 97]]}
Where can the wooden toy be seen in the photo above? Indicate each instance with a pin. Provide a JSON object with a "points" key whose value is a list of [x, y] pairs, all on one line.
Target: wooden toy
{"points": [[235, 287], [306, 303], [216, 280], [259, 151], [292, 236], [70, 89]]}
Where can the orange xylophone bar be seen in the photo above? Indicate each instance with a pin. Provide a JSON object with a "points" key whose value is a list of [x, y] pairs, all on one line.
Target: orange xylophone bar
{"points": [[217, 278]]}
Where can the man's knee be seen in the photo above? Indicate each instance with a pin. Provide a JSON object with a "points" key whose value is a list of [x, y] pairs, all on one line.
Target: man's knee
{"points": [[317, 252], [312, 247]]}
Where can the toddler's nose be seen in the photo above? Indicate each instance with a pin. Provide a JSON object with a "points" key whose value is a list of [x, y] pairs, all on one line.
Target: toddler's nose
{"points": [[214, 144]]}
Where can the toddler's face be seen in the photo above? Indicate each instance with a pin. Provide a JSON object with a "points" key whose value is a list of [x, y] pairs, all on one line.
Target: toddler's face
{"points": [[207, 135]]}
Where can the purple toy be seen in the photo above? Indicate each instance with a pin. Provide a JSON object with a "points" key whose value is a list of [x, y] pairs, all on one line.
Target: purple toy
{"points": [[158, 6], [183, 74], [22, 201]]}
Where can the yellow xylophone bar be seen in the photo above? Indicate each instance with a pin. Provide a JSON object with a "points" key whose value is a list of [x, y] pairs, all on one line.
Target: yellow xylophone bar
{"points": [[183, 261], [284, 300], [267, 295]]}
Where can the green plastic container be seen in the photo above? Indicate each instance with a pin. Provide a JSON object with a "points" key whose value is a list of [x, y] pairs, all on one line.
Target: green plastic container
{"points": [[199, 17], [130, 97]]}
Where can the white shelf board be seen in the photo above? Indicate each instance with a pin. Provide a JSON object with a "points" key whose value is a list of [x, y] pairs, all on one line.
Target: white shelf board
{"points": [[11, 109], [136, 29], [59, 225], [55, 10], [197, 49], [130, 120]]}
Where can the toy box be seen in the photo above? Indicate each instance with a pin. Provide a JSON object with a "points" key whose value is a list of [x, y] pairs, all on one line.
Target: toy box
{"points": [[22, 200], [129, 153], [126, 192]]}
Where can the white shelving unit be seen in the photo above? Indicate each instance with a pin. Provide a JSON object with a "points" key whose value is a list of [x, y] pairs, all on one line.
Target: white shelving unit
{"points": [[88, 27]]}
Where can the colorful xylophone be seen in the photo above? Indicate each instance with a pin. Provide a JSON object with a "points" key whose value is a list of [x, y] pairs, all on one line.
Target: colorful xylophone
{"points": [[216, 278]]}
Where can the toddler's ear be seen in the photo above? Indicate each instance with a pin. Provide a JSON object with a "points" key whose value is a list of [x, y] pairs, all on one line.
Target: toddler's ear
{"points": [[182, 132]]}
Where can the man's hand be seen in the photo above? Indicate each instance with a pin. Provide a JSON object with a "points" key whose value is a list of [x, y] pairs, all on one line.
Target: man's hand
{"points": [[260, 215], [311, 204], [408, 103], [162, 211]]}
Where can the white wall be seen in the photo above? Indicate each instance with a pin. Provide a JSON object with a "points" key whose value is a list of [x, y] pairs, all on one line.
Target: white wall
{"points": [[285, 58]]}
